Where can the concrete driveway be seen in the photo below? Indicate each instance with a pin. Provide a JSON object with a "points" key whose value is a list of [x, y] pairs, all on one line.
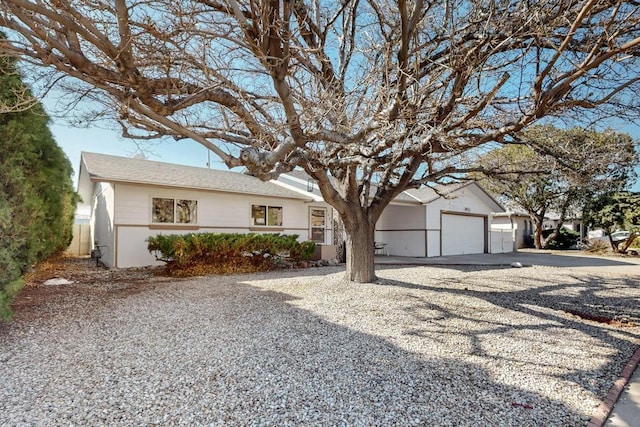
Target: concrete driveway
{"points": [[561, 259]]}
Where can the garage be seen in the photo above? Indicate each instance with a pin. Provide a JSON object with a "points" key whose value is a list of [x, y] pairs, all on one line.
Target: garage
{"points": [[462, 233]]}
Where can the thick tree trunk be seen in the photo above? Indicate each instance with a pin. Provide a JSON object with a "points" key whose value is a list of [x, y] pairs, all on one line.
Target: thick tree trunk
{"points": [[614, 245], [563, 216], [551, 237], [360, 252], [537, 241], [627, 244]]}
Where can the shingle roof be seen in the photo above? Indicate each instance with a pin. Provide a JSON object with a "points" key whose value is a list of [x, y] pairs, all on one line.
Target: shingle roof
{"points": [[299, 174], [429, 194], [103, 167], [406, 197], [424, 194], [299, 180], [303, 176]]}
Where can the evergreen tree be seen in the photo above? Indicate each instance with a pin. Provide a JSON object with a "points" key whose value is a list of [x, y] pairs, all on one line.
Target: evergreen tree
{"points": [[37, 199], [616, 211]]}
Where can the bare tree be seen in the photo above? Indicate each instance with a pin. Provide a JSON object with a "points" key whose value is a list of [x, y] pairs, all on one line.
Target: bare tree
{"points": [[369, 97], [14, 98], [576, 166]]}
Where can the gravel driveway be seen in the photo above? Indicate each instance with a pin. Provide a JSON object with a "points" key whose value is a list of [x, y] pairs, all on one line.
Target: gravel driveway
{"points": [[464, 346]]}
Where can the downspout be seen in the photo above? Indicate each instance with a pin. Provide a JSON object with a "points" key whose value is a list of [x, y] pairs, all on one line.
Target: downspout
{"points": [[490, 242], [115, 230], [514, 243]]}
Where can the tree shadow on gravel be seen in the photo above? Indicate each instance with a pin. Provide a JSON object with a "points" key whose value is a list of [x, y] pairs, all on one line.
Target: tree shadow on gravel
{"points": [[581, 303], [230, 353], [92, 281]]}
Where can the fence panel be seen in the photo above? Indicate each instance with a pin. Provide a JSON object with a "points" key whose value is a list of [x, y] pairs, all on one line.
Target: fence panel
{"points": [[501, 241], [81, 242]]}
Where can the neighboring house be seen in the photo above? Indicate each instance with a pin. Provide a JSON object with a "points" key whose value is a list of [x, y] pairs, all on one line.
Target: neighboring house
{"points": [[132, 199], [424, 222], [524, 228], [573, 222]]}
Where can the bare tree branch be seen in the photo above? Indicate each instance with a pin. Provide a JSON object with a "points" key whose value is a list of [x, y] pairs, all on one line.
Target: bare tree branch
{"points": [[364, 95]]}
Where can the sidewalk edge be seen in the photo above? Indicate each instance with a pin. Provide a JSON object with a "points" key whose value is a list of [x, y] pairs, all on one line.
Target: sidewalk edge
{"points": [[605, 408]]}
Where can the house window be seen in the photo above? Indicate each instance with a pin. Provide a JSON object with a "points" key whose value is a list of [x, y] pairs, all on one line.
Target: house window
{"points": [[270, 216], [318, 222], [174, 211]]}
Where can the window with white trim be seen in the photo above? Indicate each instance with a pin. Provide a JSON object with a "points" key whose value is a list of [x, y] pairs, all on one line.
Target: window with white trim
{"points": [[317, 221], [173, 211], [266, 216]]}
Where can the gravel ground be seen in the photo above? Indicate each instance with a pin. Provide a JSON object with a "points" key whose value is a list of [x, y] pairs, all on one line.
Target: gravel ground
{"points": [[434, 346]]}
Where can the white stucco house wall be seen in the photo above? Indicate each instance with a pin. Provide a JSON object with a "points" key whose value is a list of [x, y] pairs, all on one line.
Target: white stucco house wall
{"points": [[132, 199], [454, 220], [450, 220]]}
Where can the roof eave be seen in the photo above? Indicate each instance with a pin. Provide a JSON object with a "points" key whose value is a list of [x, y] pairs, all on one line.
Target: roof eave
{"points": [[95, 178]]}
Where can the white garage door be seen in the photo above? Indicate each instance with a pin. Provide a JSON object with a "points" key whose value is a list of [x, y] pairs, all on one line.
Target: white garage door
{"points": [[462, 234]]}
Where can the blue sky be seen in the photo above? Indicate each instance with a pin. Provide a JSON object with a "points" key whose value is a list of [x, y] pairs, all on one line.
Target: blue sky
{"points": [[187, 152], [98, 140]]}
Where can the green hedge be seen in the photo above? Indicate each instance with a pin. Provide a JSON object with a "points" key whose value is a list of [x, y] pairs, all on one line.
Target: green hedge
{"points": [[565, 240], [37, 199], [9, 291], [201, 253]]}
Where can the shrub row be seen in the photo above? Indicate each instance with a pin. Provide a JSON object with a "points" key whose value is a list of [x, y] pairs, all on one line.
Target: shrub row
{"points": [[206, 253], [37, 199]]}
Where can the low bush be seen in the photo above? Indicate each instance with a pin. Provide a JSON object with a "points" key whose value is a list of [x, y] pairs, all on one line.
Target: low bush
{"points": [[597, 247], [220, 253], [566, 239]]}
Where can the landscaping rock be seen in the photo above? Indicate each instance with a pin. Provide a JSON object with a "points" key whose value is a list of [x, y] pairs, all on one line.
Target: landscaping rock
{"points": [[57, 282], [453, 346]]}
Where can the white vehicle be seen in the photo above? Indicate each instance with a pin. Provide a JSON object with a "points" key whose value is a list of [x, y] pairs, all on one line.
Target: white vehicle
{"points": [[619, 236]]}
